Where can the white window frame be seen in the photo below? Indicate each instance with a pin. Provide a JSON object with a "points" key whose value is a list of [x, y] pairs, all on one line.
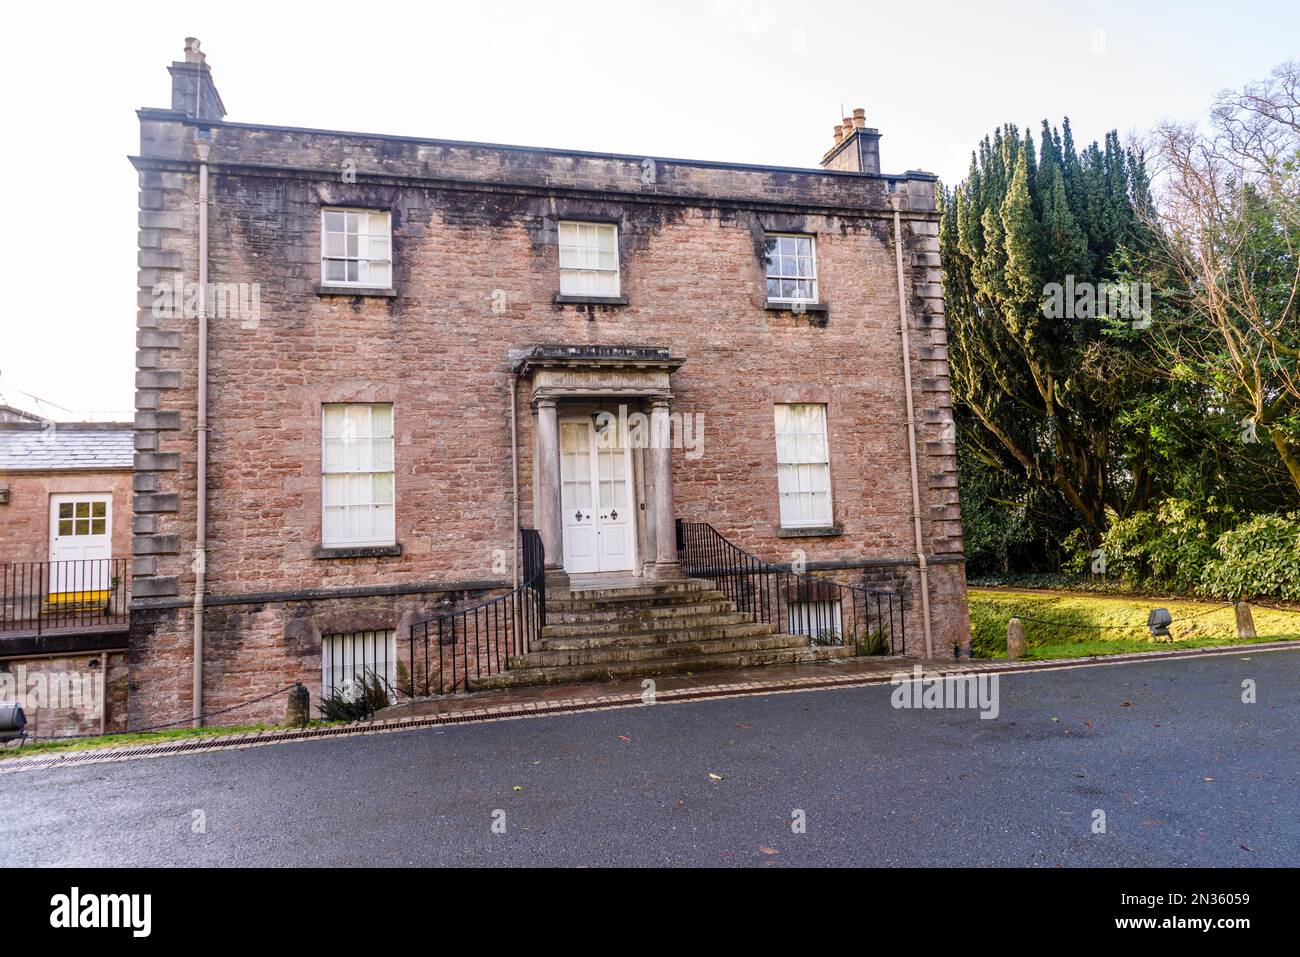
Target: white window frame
{"points": [[580, 266], [826, 614], [377, 647], [803, 466], [374, 247], [780, 275], [366, 459]]}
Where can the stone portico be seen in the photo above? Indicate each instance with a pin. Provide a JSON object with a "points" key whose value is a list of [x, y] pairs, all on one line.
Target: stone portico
{"points": [[628, 389]]}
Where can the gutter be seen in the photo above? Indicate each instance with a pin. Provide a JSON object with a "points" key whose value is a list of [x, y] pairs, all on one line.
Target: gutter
{"points": [[895, 203]]}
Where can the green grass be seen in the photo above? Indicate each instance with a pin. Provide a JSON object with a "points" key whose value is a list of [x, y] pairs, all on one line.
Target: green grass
{"points": [[1096, 624], [135, 739]]}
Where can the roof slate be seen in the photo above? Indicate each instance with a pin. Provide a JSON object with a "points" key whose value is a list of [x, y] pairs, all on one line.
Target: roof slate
{"points": [[52, 446]]}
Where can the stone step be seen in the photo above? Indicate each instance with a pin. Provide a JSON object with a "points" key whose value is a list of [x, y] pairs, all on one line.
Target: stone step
{"points": [[615, 603], [604, 654], [554, 616], [687, 620], [739, 629], [684, 586], [656, 666]]}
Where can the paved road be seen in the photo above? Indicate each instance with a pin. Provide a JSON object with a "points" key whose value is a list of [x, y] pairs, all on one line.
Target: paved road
{"points": [[1186, 773]]}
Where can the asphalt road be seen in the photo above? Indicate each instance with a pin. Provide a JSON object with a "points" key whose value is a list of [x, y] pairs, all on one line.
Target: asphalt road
{"points": [[1186, 773]]}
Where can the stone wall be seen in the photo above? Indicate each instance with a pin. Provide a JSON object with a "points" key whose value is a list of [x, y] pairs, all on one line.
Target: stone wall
{"points": [[25, 521], [62, 695]]}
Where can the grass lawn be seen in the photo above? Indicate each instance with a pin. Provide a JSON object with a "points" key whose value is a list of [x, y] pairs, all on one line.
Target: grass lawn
{"points": [[134, 739], [1093, 624]]}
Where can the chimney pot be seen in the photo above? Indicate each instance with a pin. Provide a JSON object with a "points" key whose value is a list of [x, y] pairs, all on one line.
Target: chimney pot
{"points": [[839, 136], [192, 52], [859, 117]]}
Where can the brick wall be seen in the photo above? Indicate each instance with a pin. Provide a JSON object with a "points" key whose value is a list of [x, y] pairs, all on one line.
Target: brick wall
{"points": [[25, 521], [469, 222]]}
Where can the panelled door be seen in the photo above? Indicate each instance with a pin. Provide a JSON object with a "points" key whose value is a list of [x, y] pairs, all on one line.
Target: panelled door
{"points": [[81, 535], [595, 498]]}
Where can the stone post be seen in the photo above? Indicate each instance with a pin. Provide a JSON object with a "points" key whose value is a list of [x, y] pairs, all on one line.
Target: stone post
{"points": [[1015, 639], [1245, 621], [299, 710]]}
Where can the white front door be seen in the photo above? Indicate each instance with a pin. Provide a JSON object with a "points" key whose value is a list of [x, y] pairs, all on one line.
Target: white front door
{"points": [[595, 498], [81, 535]]}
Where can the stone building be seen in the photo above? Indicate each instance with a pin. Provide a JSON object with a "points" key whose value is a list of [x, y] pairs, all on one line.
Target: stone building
{"points": [[412, 347], [65, 545]]}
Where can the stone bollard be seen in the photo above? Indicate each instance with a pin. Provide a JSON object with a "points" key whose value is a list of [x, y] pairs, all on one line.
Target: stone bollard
{"points": [[299, 710], [1015, 639], [1245, 621]]}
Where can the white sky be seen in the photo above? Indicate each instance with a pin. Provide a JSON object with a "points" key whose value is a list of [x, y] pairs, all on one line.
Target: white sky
{"points": [[742, 80]]}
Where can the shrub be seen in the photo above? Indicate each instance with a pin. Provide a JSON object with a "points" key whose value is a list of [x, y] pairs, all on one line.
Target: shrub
{"points": [[1167, 548], [1257, 559], [872, 642], [355, 700]]}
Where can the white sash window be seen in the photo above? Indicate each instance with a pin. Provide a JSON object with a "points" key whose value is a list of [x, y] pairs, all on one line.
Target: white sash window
{"points": [[357, 475], [803, 465]]}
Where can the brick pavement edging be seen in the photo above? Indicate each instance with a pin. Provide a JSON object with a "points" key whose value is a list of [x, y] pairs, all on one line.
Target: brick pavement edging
{"points": [[526, 709]]}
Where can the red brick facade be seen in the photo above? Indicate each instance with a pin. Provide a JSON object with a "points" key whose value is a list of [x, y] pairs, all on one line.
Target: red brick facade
{"points": [[475, 282]]}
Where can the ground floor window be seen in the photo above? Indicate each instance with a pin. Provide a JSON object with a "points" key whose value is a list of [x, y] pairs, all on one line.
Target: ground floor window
{"points": [[347, 660], [822, 621]]}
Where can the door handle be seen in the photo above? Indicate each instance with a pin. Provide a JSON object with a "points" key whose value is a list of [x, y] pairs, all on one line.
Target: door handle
{"points": [[577, 516], [614, 515]]}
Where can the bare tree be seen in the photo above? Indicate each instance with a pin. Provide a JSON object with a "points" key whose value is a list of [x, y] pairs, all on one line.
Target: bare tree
{"points": [[1228, 221]]}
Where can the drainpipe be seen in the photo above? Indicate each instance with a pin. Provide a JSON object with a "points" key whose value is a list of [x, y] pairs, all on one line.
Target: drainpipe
{"points": [[203, 146], [895, 203], [514, 470]]}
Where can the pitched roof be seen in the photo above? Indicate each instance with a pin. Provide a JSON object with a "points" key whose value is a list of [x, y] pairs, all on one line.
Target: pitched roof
{"points": [[49, 446]]}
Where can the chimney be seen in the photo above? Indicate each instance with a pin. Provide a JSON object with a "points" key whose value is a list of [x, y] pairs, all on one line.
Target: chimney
{"points": [[857, 146], [193, 92]]}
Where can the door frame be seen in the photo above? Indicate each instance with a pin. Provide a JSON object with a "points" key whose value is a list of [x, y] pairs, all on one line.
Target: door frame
{"points": [[629, 476], [59, 581]]}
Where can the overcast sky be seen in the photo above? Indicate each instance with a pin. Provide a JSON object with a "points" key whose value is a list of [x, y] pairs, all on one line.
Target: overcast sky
{"points": [[745, 80]]}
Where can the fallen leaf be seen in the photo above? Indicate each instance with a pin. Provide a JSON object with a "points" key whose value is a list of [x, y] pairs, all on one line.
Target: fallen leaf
{"points": [[769, 850], [716, 777], [1207, 779], [624, 738], [1127, 704], [1056, 720], [518, 788]]}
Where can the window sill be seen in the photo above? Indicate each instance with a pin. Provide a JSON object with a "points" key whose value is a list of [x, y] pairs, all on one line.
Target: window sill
{"points": [[358, 551], [816, 531], [562, 299], [774, 305], [327, 290]]}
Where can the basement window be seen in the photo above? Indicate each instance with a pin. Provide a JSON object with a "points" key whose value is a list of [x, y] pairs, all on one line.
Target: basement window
{"points": [[356, 248], [351, 661], [822, 621], [589, 259], [791, 268], [357, 475], [803, 466]]}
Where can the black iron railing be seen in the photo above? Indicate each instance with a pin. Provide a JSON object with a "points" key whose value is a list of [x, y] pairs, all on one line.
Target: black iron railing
{"points": [[828, 612], [40, 597], [445, 652]]}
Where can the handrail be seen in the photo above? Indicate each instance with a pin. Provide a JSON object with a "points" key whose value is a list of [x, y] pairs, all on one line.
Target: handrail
{"points": [[480, 640], [828, 611]]}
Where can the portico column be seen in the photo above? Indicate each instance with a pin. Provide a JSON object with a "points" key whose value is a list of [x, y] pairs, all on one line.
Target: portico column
{"points": [[661, 468], [548, 489]]}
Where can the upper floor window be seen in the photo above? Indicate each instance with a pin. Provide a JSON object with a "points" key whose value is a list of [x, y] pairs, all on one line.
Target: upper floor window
{"points": [[588, 259], [356, 248], [803, 465], [791, 268], [357, 475]]}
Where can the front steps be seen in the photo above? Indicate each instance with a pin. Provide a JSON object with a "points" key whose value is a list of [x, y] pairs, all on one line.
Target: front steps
{"points": [[649, 629]]}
